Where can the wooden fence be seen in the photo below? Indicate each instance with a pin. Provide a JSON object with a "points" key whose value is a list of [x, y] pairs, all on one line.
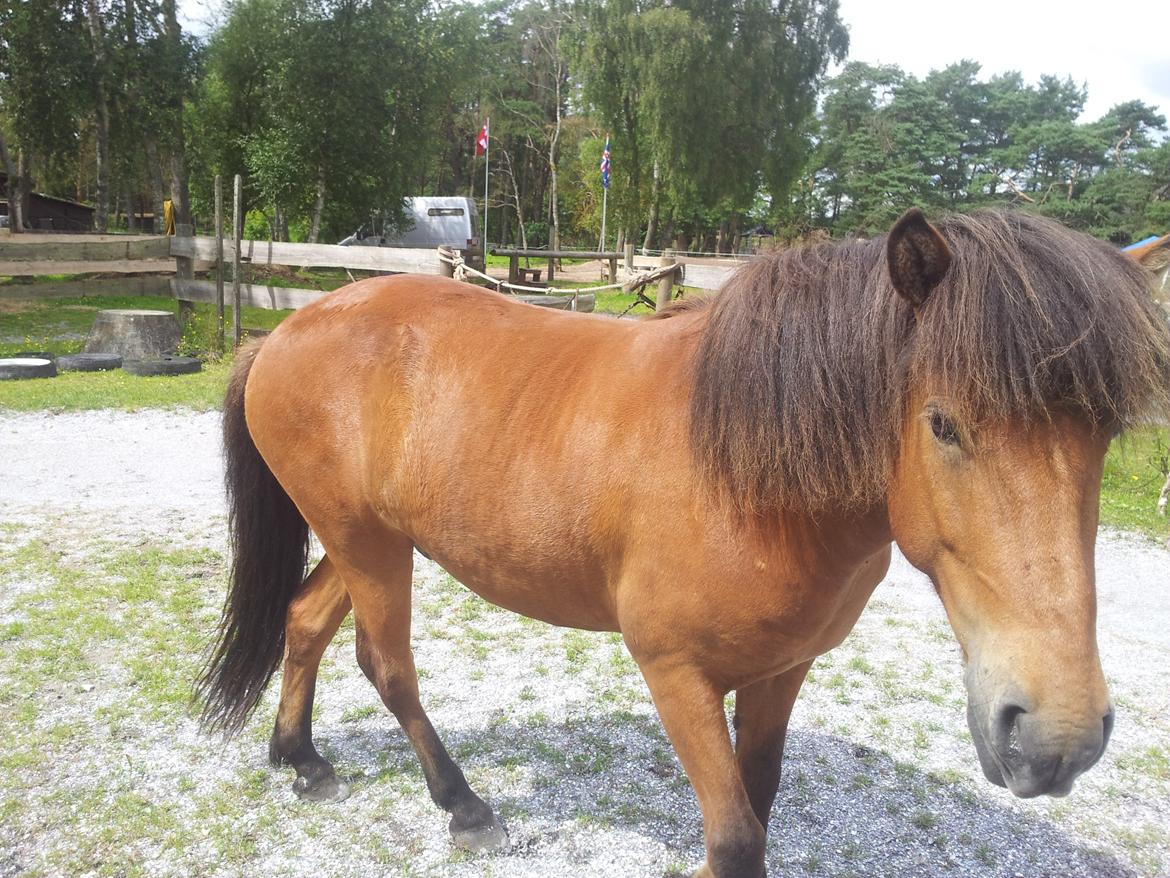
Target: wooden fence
{"points": [[276, 253], [167, 266], [162, 266], [34, 255]]}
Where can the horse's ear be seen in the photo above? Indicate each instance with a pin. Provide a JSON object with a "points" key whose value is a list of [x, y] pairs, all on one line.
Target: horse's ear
{"points": [[917, 255]]}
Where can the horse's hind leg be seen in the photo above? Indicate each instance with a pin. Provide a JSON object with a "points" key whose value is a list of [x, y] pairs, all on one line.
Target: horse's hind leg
{"points": [[316, 612], [382, 615]]}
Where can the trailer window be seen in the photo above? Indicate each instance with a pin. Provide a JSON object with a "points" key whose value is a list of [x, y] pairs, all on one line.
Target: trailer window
{"points": [[444, 211]]}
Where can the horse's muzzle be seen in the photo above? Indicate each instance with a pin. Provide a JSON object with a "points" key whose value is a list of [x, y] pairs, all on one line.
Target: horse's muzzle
{"points": [[1032, 754]]}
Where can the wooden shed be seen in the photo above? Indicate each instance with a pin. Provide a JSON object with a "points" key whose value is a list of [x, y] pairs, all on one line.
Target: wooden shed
{"points": [[48, 213]]}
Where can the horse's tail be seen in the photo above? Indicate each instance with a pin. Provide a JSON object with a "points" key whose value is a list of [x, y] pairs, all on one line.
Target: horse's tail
{"points": [[270, 544]]}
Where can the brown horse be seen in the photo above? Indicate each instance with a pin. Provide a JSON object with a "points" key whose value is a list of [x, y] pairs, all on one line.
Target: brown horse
{"points": [[953, 389]]}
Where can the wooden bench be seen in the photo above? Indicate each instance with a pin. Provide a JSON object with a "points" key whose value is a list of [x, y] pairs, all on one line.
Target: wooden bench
{"points": [[514, 257], [529, 275]]}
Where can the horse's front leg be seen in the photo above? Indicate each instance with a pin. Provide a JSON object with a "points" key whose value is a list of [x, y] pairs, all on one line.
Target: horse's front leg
{"points": [[316, 612], [691, 708], [761, 723]]}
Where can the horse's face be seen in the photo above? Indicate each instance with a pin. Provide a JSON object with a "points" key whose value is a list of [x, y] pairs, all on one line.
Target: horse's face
{"points": [[1003, 518]]}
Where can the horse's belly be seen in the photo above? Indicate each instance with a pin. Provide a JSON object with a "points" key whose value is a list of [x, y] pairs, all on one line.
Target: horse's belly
{"points": [[564, 587]]}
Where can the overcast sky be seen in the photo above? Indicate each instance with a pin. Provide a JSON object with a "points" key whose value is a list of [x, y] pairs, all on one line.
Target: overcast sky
{"points": [[1119, 58]]}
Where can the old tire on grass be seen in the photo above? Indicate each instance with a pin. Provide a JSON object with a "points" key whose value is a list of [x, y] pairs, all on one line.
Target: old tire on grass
{"points": [[88, 362], [164, 365], [13, 368], [33, 355]]}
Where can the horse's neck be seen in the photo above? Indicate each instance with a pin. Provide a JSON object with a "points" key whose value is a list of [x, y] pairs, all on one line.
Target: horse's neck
{"points": [[846, 539]]}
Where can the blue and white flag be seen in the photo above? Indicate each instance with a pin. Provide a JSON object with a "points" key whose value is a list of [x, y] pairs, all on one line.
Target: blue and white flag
{"points": [[605, 164]]}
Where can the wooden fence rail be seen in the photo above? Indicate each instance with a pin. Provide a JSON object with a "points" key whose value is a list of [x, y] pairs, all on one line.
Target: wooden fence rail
{"points": [[396, 259], [252, 295], [253, 253], [39, 255], [146, 285]]}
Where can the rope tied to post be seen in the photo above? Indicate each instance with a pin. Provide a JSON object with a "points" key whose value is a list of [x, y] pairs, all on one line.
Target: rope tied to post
{"points": [[633, 281]]}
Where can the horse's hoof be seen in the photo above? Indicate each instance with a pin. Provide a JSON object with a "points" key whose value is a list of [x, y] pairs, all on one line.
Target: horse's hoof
{"points": [[323, 789], [477, 839]]}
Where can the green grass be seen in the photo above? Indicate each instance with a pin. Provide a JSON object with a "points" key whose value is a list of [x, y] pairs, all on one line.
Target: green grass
{"points": [[531, 262], [86, 607], [1135, 470], [1152, 762], [77, 391], [303, 279], [60, 326]]}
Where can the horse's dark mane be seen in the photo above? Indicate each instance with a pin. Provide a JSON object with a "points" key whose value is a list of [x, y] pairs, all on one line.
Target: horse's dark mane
{"points": [[801, 373]]}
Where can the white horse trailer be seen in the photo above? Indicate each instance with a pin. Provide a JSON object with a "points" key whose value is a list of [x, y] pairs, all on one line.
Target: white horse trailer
{"points": [[431, 221]]}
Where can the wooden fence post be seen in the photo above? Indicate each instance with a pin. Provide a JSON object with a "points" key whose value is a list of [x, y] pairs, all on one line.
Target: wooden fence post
{"points": [[666, 284], [446, 269], [630, 256], [219, 323], [184, 270], [237, 233]]}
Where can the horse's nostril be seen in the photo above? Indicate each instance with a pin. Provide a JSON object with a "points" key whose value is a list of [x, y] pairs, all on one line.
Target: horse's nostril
{"points": [[1007, 726]]}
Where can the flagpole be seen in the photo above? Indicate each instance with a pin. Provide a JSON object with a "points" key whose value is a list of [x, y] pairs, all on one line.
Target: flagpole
{"points": [[604, 190], [604, 204], [487, 151]]}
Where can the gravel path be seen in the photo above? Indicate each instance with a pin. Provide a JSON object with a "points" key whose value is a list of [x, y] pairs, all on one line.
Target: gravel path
{"points": [[106, 773]]}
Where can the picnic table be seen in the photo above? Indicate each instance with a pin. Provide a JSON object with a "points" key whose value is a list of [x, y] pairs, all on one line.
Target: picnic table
{"points": [[516, 275]]}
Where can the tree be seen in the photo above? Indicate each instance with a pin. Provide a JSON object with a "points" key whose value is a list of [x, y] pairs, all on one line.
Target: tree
{"points": [[101, 74], [325, 106], [888, 140], [43, 57], [708, 101]]}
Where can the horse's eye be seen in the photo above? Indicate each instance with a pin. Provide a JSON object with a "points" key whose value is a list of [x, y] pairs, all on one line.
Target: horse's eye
{"points": [[944, 429]]}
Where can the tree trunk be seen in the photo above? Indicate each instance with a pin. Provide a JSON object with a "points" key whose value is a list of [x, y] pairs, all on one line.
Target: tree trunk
{"points": [[318, 206], [173, 36], [652, 220], [179, 192], [552, 148], [158, 189], [12, 186], [668, 232], [101, 216], [22, 221], [131, 210], [516, 199]]}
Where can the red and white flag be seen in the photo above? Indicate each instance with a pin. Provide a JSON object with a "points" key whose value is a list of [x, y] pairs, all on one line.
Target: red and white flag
{"points": [[481, 140]]}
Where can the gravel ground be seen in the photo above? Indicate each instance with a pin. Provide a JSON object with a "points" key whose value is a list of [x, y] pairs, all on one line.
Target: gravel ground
{"points": [[112, 544]]}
